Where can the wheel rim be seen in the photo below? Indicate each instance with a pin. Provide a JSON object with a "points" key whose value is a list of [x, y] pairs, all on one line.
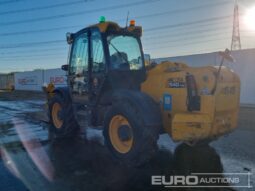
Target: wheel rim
{"points": [[56, 109], [117, 122]]}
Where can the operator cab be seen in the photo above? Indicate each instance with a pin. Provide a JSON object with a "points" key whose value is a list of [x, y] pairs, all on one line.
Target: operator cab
{"points": [[104, 57]]}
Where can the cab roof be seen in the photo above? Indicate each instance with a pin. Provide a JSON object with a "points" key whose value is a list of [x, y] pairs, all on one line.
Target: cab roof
{"points": [[114, 27]]}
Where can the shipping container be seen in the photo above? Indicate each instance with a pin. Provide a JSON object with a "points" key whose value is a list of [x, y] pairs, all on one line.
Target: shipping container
{"points": [[31, 80], [34, 80], [56, 76], [7, 81]]}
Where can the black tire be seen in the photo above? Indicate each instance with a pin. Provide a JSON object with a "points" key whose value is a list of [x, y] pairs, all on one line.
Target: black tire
{"points": [[198, 143], [69, 126], [144, 139], [196, 159]]}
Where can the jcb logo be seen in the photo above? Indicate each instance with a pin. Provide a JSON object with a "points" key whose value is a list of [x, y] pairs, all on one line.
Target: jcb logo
{"points": [[228, 90]]}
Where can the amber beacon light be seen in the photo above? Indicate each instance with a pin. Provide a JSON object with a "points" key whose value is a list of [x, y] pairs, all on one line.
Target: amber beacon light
{"points": [[132, 23]]}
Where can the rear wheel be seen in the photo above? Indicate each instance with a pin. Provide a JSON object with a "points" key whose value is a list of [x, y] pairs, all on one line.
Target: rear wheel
{"points": [[127, 136], [63, 123], [198, 142], [55, 113], [120, 134]]}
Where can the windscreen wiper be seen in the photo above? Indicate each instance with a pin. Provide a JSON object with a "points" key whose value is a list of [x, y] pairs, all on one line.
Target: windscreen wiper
{"points": [[119, 53]]}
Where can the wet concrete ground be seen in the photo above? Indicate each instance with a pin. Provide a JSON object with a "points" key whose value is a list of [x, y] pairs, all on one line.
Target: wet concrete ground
{"points": [[29, 161]]}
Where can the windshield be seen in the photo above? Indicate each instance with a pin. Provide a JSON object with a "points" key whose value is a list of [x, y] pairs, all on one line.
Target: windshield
{"points": [[125, 52]]}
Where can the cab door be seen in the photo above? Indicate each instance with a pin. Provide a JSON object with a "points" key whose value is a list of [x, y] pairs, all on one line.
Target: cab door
{"points": [[79, 69], [98, 63]]}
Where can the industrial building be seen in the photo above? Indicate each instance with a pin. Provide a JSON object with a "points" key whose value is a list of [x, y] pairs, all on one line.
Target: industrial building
{"points": [[244, 66]]}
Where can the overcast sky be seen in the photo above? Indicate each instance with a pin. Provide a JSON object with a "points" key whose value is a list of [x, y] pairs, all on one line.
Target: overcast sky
{"points": [[32, 32]]}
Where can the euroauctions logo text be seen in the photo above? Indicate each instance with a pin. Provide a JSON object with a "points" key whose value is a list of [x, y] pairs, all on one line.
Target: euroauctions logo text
{"points": [[204, 180]]}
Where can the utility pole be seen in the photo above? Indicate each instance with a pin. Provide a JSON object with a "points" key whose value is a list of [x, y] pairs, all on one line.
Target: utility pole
{"points": [[236, 41]]}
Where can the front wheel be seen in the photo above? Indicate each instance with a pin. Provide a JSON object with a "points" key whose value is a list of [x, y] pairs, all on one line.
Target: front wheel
{"points": [[126, 135], [63, 123]]}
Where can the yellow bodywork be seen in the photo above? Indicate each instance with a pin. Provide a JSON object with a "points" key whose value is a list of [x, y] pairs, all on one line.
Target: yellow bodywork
{"points": [[218, 112]]}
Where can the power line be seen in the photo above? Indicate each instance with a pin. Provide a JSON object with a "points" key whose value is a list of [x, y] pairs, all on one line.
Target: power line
{"points": [[82, 1], [34, 50], [38, 31], [143, 2], [149, 29], [182, 45], [75, 26], [156, 36], [179, 11], [10, 1], [53, 56], [31, 44], [42, 7], [188, 27], [145, 44], [187, 38], [150, 37], [194, 52], [189, 23], [203, 51], [61, 47], [35, 55], [185, 53], [137, 17], [167, 46]]}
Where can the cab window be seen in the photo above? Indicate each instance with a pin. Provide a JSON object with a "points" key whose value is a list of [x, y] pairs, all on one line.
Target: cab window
{"points": [[79, 55], [125, 52], [97, 52]]}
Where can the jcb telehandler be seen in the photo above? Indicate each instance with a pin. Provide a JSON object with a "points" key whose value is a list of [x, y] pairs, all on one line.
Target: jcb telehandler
{"points": [[109, 86]]}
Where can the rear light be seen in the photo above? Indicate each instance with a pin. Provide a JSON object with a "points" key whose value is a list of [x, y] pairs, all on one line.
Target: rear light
{"points": [[193, 99]]}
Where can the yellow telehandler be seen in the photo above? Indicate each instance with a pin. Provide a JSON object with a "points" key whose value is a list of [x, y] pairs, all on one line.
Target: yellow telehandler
{"points": [[110, 87]]}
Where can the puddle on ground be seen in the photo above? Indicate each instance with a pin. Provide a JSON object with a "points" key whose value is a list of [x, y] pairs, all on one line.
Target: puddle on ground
{"points": [[83, 162]]}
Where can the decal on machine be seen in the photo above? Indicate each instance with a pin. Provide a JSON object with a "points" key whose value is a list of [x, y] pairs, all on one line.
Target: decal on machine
{"points": [[228, 90], [176, 83], [167, 102]]}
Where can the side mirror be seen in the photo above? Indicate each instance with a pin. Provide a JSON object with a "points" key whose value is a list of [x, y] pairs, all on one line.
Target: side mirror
{"points": [[69, 38], [227, 55], [147, 60], [64, 67]]}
